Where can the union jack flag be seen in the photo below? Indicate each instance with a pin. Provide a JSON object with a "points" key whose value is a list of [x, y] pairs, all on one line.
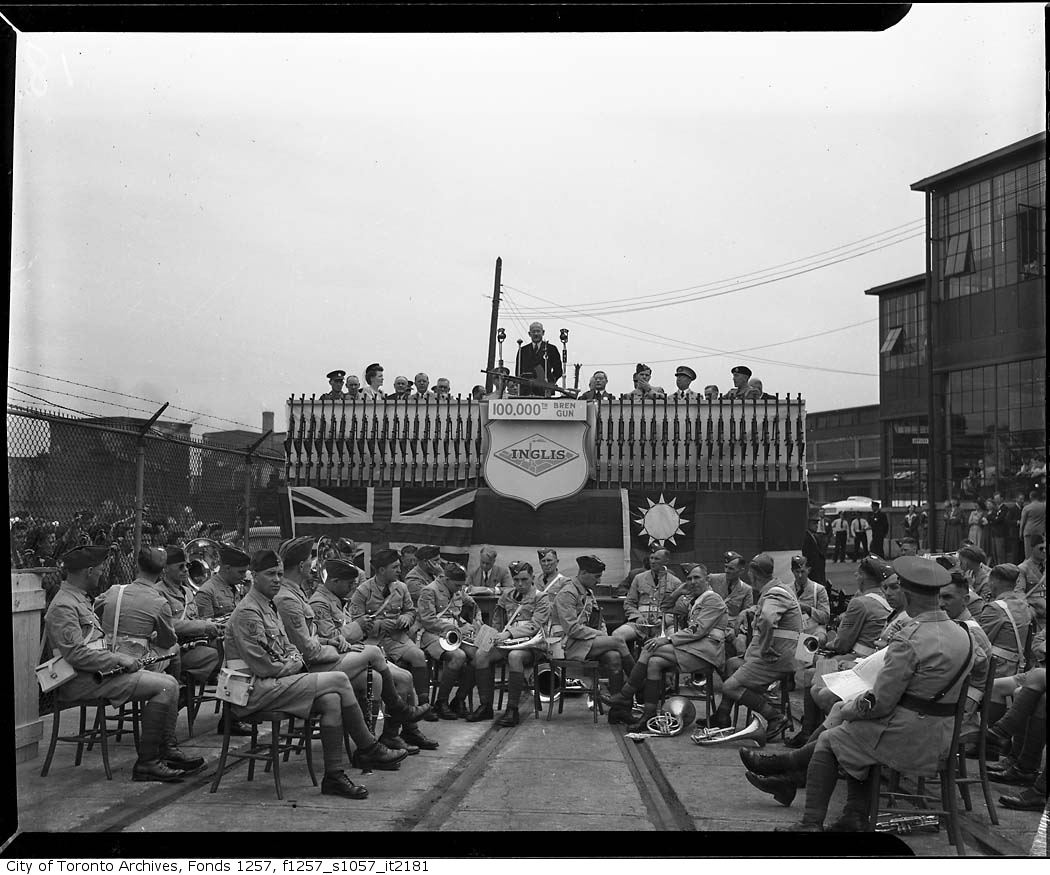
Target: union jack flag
{"points": [[381, 517]]}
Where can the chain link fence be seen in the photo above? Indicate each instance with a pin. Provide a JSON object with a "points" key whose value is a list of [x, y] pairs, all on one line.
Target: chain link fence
{"points": [[74, 481]]}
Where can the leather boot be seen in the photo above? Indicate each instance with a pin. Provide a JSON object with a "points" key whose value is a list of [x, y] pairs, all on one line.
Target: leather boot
{"points": [[486, 680], [466, 684], [791, 764], [169, 752], [515, 684], [149, 766], [510, 717], [444, 711], [448, 679], [397, 742], [778, 786], [620, 715], [413, 736], [635, 684], [721, 718], [854, 817], [379, 756], [338, 784], [1031, 753], [421, 683], [396, 707]]}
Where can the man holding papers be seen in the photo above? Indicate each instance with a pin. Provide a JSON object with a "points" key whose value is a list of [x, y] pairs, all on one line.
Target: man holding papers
{"points": [[904, 723]]}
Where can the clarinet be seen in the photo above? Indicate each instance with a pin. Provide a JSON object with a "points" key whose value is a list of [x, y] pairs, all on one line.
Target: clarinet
{"points": [[370, 713], [101, 676]]}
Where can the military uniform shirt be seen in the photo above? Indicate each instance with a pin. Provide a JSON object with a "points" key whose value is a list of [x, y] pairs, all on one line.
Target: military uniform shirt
{"points": [[143, 612], [531, 612], [434, 613], [647, 598], [369, 597], [331, 619], [861, 624], [183, 610], [575, 610], [298, 619], [215, 598]]}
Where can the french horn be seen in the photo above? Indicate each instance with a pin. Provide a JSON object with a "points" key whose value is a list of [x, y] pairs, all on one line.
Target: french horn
{"points": [[524, 642], [754, 732]]}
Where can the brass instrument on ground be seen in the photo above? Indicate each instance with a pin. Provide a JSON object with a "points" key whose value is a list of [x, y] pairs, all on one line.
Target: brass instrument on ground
{"points": [[903, 824], [754, 732], [101, 676]]}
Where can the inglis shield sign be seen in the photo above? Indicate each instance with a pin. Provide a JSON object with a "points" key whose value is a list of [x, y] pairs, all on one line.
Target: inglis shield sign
{"points": [[538, 448]]}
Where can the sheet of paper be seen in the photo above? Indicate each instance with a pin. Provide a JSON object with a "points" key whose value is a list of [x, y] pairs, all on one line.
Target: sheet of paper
{"points": [[847, 685]]}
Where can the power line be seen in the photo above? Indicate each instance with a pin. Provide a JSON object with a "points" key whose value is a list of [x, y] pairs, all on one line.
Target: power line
{"points": [[681, 344], [750, 348], [595, 312], [892, 232], [51, 403], [84, 398], [126, 395]]}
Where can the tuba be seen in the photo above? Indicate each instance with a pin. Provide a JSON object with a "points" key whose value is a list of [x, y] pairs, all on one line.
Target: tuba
{"points": [[754, 732], [206, 551], [549, 682]]}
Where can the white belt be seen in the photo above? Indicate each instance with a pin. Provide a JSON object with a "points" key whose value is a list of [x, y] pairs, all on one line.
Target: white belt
{"points": [[863, 650], [237, 664], [786, 633], [1003, 653]]}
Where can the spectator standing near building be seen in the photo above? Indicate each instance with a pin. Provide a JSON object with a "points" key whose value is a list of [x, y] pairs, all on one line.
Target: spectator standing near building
{"points": [[953, 523], [1033, 521], [978, 523], [998, 525], [840, 532], [880, 528], [860, 528]]}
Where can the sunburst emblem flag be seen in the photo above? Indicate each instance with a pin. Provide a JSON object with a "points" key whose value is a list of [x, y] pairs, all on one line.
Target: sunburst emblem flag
{"points": [[661, 522]]}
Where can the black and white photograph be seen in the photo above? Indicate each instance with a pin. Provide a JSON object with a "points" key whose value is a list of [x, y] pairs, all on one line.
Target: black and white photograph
{"points": [[512, 423]]}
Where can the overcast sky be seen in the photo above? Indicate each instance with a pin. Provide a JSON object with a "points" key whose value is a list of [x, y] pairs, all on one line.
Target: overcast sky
{"points": [[218, 220]]}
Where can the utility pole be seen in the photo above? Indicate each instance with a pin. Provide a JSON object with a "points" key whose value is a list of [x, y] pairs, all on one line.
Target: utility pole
{"points": [[492, 327]]}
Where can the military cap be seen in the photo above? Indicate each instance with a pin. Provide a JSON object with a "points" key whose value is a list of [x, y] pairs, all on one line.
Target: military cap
{"points": [[687, 567], [264, 560], [383, 558], [455, 571], [230, 555], [590, 564], [731, 556], [958, 578], [763, 563], [1006, 571], [798, 562], [741, 369], [876, 566], [340, 569], [975, 554], [908, 540], [152, 559], [296, 550], [80, 558], [920, 575], [336, 375], [174, 555], [427, 552], [685, 371]]}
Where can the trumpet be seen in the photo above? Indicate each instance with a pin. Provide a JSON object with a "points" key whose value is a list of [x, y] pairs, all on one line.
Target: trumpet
{"points": [[451, 639], [755, 732], [101, 676]]}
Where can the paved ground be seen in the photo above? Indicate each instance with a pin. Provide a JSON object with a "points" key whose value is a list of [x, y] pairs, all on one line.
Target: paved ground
{"points": [[568, 775]]}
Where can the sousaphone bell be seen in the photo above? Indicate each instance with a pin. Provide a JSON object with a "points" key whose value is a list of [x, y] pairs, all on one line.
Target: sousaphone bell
{"points": [[752, 734]]}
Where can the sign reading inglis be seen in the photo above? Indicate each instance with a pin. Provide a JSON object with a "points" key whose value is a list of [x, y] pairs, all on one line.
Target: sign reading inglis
{"points": [[537, 448]]}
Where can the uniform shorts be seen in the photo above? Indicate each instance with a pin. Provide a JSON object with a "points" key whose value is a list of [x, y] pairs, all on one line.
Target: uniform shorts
{"points": [[756, 675]]}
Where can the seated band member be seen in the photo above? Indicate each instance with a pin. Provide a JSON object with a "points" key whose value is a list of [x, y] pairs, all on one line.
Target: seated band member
{"points": [[219, 594], [384, 609], [256, 643], [735, 590], [859, 627], [549, 579], [579, 618], [771, 653], [393, 685], [1005, 620], [904, 723], [648, 599], [688, 591], [952, 600], [426, 570], [441, 606], [202, 660], [812, 599], [74, 632], [700, 646], [137, 621], [520, 612], [1022, 731]]}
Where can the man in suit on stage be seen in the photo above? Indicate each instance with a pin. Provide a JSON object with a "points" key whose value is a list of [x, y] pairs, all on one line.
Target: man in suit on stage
{"points": [[538, 360]]}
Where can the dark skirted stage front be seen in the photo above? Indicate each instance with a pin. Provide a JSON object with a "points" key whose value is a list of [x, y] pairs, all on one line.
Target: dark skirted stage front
{"points": [[618, 525]]}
